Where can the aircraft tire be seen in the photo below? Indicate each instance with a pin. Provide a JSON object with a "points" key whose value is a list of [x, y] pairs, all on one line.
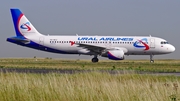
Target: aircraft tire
{"points": [[94, 60], [151, 61]]}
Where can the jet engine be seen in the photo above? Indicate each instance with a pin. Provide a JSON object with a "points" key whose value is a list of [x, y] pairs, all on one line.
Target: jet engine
{"points": [[115, 54]]}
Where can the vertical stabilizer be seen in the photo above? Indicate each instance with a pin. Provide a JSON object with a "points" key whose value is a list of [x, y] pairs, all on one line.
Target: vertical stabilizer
{"points": [[22, 25]]}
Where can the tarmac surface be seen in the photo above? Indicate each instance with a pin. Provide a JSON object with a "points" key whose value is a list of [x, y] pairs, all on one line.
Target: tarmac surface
{"points": [[72, 71]]}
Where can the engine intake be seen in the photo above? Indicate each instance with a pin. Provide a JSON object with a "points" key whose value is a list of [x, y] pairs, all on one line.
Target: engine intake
{"points": [[115, 54]]}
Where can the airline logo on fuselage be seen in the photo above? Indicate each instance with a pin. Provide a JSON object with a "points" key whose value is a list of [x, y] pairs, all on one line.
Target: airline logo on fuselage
{"points": [[104, 39], [142, 44]]}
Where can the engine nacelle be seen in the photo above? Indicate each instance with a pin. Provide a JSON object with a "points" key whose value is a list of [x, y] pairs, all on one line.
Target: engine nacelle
{"points": [[115, 54]]}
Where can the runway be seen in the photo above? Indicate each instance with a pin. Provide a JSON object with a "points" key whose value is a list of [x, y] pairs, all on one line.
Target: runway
{"points": [[73, 71]]}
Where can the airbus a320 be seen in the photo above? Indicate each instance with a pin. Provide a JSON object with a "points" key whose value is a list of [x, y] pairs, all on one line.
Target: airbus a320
{"points": [[112, 47]]}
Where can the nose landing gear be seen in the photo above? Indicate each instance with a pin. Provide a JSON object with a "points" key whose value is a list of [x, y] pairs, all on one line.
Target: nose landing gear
{"points": [[151, 58]]}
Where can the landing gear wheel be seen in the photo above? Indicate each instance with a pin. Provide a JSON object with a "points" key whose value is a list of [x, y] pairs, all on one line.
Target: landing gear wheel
{"points": [[94, 60], [151, 61]]}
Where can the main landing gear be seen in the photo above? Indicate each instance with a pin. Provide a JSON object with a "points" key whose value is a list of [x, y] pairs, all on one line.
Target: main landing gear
{"points": [[151, 58], [95, 59]]}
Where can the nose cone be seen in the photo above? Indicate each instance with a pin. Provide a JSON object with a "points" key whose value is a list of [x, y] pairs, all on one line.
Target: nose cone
{"points": [[172, 48]]}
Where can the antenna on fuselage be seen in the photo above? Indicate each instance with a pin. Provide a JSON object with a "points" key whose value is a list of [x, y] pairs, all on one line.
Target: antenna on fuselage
{"points": [[76, 34], [149, 35]]}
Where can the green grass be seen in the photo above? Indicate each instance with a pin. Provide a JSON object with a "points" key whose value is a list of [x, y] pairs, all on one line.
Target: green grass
{"points": [[92, 86], [135, 65]]}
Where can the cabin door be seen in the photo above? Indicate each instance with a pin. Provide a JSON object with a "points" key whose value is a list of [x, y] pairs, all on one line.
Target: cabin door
{"points": [[152, 43]]}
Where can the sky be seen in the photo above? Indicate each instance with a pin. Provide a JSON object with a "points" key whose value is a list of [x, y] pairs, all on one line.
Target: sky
{"points": [[159, 18]]}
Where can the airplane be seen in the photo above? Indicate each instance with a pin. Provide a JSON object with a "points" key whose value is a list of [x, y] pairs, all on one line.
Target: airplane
{"points": [[111, 47]]}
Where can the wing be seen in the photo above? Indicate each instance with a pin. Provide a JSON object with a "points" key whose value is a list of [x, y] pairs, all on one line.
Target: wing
{"points": [[93, 48], [97, 48]]}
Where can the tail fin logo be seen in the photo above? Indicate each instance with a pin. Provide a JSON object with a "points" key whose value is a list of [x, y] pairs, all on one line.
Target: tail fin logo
{"points": [[26, 26]]}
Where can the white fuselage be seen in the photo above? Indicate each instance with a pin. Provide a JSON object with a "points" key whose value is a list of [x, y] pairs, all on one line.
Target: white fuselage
{"points": [[126, 43]]}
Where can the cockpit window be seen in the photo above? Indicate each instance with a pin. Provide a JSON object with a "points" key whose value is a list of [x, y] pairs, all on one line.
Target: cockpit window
{"points": [[164, 42]]}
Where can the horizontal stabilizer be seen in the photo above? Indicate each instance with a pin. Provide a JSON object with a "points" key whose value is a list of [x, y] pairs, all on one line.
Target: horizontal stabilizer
{"points": [[19, 39]]}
